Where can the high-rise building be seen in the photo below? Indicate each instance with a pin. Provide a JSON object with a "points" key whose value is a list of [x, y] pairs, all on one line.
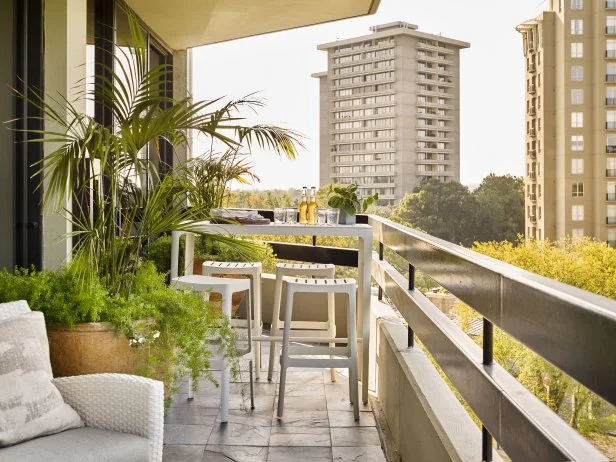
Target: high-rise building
{"points": [[390, 110], [570, 64]]}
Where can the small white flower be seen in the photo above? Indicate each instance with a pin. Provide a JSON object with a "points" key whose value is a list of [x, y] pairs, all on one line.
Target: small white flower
{"points": [[156, 335], [141, 340]]}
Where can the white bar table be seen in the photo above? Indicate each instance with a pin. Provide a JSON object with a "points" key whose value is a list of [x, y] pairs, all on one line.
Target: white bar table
{"points": [[364, 246]]}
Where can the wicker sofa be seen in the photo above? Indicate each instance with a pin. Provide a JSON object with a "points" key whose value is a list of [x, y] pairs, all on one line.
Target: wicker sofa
{"points": [[122, 414]]}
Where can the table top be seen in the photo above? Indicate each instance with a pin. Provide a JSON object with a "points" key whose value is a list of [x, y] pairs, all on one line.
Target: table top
{"points": [[295, 229]]}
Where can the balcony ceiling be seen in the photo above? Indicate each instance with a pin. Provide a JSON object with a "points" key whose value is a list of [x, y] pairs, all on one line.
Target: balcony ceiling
{"points": [[183, 24]]}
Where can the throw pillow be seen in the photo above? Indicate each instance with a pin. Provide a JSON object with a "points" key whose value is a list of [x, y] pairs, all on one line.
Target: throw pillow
{"points": [[12, 309], [30, 405]]}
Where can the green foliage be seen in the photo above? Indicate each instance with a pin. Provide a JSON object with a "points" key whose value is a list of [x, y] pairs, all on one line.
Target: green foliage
{"points": [[494, 211], [346, 198], [206, 178]]}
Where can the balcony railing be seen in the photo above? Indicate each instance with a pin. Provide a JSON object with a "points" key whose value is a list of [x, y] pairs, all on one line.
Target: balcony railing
{"points": [[532, 89], [610, 4], [532, 176], [610, 172], [532, 132], [610, 53], [532, 197], [610, 220], [610, 77], [610, 148], [610, 101], [532, 153], [610, 30], [581, 344], [612, 244], [610, 125], [610, 196], [532, 110], [531, 67]]}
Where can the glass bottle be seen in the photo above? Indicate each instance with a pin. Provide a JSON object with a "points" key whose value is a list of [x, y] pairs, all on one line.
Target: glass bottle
{"points": [[312, 206], [303, 206]]}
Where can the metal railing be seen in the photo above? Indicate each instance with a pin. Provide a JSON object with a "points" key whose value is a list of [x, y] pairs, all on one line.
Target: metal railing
{"points": [[581, 343], [610, 77], [610, 220], [610, 4], [610, 172], [610, 196], [610, 125], [610, 101], [610, 148], [610, 53], [610, 30]]}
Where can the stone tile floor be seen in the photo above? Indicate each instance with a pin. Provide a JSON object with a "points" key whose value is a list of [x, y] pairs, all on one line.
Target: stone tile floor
{"points": [[317, 425]]}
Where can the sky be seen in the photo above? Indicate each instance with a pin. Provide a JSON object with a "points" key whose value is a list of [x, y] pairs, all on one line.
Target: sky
{"points": [[278, 66]]}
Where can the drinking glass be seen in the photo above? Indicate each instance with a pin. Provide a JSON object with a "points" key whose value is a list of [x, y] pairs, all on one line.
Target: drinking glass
{"points": [[332, 216], [291, 215], [321, 216], [279, 215]]}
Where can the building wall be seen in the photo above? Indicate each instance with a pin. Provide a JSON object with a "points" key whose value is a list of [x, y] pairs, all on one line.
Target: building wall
{"points": [[554, 56], [388, 135], [7, 165]]}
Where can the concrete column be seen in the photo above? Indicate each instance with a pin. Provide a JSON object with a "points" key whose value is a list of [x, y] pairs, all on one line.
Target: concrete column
{"points": [[182, 87], [65, 72]]}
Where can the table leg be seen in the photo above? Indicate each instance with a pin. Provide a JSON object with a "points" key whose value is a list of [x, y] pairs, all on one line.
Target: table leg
{"points": [[225, 374], [363, 318], [257, 321]]}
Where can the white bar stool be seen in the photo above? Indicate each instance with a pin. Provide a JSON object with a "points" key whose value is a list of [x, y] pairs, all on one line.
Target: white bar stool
{"points": [[252, 269], [301, 328], [291, 356]]}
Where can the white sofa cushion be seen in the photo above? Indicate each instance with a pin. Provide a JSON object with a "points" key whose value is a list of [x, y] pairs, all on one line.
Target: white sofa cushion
{"points": [[12, 309], [30, 405]]}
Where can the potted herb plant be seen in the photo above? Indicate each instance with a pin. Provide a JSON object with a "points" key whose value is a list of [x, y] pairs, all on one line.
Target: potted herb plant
{"points": [[349, 202], [128, 203]]}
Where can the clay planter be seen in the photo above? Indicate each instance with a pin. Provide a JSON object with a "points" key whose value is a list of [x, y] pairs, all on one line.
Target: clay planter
{"points": [[92, 348]]}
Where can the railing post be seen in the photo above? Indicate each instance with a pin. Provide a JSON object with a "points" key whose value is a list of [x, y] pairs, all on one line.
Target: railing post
{"points": [[314, 241], [410, 334], [488, 359], [380, 258]]}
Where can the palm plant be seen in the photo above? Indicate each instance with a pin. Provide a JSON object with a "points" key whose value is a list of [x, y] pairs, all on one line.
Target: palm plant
{"points": [[127, 202]]}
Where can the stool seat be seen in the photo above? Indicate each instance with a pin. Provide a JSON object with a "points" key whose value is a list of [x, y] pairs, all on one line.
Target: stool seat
{"points": [[229, 267], [320, 285], [214, 284]]}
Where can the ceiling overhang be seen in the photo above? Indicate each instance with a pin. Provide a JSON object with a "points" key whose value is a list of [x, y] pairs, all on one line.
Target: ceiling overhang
{"points": [[184, 24]]}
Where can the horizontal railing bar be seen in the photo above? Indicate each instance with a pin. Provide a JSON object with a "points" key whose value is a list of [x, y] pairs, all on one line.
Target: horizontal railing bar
{"points": [[572, 328], [520, 422], [315, 254]]}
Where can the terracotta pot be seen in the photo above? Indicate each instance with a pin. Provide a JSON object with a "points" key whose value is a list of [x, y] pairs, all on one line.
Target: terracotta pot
{"points": [[96, 347]]}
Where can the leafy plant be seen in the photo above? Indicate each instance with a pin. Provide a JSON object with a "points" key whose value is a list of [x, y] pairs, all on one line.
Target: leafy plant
{"points": [[206, 178], [347, 199]]}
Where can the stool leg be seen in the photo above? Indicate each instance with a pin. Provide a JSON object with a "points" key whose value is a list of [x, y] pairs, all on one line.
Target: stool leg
{"points": [[257, 320], [353, 370], [275, 319], [252, 389], [331, 315], [225, 379], [284, 357]]}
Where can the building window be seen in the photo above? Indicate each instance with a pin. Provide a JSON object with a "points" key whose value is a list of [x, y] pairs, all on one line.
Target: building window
{"points": [[577, 213], [577, 233], [577, 190], [577, 73], [577, 50], [577, 4], [577, 96], [577, 120], [577, 26], [577, 143], [577, 166], [610, 24], [610, 49], [611, 119]]}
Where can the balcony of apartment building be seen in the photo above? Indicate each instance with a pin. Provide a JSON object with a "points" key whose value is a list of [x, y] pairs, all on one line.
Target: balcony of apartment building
{"points": [[610, 77], [610, 53], [532, 197], [610, 30], [612, 243], [532, 132], [532, 175], [532, 110], [531, 67], [532, 217], [532, 89], [610, 196], [610, 220], [610, 4], [532, 153], [610, 173], [610, 125], [610, 148], [610, 101]]}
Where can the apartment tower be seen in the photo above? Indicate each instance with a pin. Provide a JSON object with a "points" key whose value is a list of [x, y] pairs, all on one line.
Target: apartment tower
{"points": [[390, 110], [570, 180]]}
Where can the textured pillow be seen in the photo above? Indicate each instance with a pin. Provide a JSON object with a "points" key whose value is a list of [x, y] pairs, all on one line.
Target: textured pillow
{"points": [[12, 309], [30, 405]]}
